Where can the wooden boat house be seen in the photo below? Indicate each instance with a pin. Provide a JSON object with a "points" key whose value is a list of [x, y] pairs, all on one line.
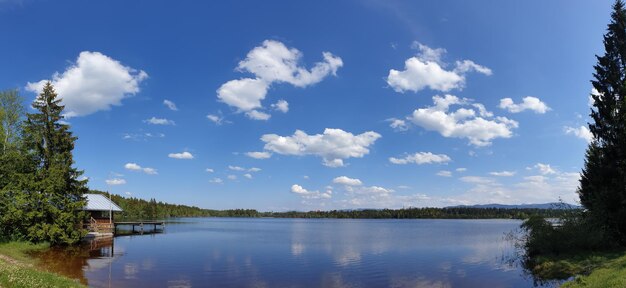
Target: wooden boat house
{"points": [[100, 214]]}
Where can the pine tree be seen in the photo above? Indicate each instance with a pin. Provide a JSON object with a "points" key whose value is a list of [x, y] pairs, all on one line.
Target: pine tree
{"points": [[55, 195], [603, 184]]}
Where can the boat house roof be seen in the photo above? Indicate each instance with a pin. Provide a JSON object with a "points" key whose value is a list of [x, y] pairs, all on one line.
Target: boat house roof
{"points": [[98, 202]]}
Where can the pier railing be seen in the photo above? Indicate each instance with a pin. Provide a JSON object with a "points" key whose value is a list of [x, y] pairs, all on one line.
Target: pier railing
{"points": [[95, 226]]}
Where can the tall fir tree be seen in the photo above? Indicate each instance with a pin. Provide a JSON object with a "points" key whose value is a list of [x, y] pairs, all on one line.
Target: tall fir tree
{"points": [[602, 188], [56, 194]]}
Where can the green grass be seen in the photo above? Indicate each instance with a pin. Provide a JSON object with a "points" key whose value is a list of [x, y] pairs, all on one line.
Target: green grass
{"points": [[18, 269], [20, 250], [568, 265], [589, 269], [610, 273]]}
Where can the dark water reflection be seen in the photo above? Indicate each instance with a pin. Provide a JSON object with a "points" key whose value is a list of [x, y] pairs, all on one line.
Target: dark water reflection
{"points": [[243, 252]]}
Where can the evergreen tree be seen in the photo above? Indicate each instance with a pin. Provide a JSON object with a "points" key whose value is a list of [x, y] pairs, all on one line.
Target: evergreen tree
{"points": [[55, 195], [603, 184]]}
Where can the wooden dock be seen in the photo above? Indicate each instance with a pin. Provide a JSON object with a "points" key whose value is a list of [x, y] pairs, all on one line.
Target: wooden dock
{"points": [[140, 224]]}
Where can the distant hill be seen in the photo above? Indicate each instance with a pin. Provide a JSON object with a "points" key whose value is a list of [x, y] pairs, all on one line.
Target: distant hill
{"points": [[554, 205]]}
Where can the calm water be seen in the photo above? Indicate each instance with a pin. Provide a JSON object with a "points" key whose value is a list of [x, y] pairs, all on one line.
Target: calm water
{"points": [[227, 252]]}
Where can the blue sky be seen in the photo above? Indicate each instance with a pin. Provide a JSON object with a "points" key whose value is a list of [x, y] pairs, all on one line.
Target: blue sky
{"points": [[280, 105]]}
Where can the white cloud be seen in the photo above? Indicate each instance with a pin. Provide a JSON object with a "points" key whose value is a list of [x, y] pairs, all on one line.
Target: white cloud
{"points": [[232, 177], [545, 169], [142, 136], [218, 120], [476, 180], [115, 181], [420, 158], [419, 74], [333, 146], [244, 94], [398, 124], [462, 67], [170, 105], [259, 155], [248, 175], [334, 163], [137, 167], [299, 190], [426, 70], [461, 169], [209, 170], [94, 83], [462, 123], [376, 190], [281, 105], [367, 196], [272, 62], [502, 173], [242, 169], [343, 180], [528, 103], [216, 180], [532, 189], [482, 111], [159, 121], [128, 193], [444, 173], [236, 168], [362, 196], [581, 132], [258, 115], [428, 54], [132, 166], [183, 155]]}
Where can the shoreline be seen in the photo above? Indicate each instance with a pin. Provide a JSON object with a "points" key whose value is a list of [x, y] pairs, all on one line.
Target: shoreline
{"points": [[19, 269]]}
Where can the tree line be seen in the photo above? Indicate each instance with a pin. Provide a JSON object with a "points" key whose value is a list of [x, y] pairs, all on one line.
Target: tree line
{"points": [[140, 209], [423, 213]]}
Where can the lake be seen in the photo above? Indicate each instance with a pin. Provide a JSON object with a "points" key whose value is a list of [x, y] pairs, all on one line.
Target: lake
{"points": [[260, 252]]}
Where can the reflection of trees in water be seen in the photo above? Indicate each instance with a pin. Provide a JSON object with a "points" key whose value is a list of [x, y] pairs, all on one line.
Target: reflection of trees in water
{"points": [[72, 261], [519, 259]]}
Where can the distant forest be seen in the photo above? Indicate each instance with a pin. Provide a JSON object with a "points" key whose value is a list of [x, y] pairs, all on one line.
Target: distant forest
{"points": [[136, 209]]}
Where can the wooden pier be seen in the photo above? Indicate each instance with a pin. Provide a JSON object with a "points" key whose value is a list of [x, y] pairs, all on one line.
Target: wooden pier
{"points": [[140, 224]]}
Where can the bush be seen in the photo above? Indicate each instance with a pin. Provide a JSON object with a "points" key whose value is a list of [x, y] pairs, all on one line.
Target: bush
{"points": [[571, 234]]}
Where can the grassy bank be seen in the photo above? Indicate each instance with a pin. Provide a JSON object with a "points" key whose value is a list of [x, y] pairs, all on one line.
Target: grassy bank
{"points": [[597, 269], [18, 269], [609, 270]]}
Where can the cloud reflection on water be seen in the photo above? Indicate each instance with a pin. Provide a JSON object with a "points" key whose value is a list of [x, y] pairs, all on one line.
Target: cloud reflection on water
{"points": [[312, 253]]}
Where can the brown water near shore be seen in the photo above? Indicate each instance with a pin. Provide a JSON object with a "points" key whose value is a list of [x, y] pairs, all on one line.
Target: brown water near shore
{"points": [[72, 261]]}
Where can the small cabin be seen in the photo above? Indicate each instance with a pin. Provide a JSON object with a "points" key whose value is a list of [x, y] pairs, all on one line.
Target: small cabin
{"points": [[100, 214]]}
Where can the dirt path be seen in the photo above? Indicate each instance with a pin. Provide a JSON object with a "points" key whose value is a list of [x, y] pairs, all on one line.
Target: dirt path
{"points": [[12, 261]]}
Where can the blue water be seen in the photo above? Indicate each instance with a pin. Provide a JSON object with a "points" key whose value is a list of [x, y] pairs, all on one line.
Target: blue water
{"points": [[248, 252]]}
